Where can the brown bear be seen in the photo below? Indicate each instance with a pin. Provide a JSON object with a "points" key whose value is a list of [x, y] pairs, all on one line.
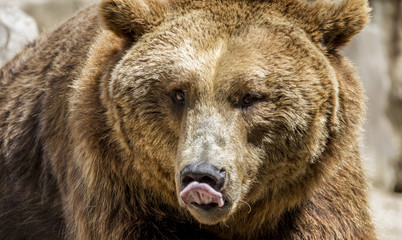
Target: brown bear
{"points": [[178, 119]]}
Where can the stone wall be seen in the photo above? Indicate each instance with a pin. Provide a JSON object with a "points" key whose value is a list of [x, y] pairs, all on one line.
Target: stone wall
{"points": [[383, 82], [375, 54], [16, 29], [49, 13], [392, 17]]}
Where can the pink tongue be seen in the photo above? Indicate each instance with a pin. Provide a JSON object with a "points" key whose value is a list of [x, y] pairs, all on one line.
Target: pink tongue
{"points": [[201, 193]]}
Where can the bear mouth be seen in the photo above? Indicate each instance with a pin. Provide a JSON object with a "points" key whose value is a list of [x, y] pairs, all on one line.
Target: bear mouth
{"points": [[202, 195]]}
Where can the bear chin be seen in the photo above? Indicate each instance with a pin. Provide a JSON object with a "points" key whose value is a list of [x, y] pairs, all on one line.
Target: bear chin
{"points": [[210, 215]]}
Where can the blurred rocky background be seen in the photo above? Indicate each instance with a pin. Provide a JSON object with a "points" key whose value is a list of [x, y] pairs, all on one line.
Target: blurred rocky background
{"points": [[376, 52]]}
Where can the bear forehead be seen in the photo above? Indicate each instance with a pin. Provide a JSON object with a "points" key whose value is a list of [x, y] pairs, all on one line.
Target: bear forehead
{"points": [[190, 49]]}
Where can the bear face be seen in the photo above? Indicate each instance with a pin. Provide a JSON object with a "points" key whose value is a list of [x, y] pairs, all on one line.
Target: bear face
{"points": [[245, 91]]}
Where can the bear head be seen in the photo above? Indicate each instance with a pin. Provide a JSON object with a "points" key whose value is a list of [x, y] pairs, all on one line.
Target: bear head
{"points": [[222, 106]]}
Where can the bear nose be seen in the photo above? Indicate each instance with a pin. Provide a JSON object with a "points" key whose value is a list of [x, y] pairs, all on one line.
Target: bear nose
{"points": [[203, 172]]}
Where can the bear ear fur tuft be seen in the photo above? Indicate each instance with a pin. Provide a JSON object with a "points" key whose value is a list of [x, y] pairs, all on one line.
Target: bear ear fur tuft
{"points": [[346, 20], [334, 23], [130, 19]]}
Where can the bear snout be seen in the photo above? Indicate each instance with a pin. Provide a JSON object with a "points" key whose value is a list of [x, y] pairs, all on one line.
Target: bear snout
{"points": [[203, 172], [201, 183]]}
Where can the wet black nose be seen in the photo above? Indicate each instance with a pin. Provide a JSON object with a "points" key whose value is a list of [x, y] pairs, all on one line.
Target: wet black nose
{"points": [[203, 172]]}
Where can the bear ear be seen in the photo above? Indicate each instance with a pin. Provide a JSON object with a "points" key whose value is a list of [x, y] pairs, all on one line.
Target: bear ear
{"points": [[130, 19], [334, 23]]}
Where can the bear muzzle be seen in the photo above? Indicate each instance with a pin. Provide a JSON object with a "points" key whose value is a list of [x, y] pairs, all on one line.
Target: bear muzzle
{"points": [[201, 183]]}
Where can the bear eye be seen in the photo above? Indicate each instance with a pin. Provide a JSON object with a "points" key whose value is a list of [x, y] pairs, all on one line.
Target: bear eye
{"points": [[248, 100], [179, 97]]}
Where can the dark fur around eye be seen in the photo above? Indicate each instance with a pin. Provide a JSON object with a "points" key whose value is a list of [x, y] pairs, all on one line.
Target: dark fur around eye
{"points": [[179, 97], [248, 100]]}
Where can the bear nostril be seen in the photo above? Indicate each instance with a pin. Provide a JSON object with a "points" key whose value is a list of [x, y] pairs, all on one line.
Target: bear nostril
{"points": [[208, 180], [187, 180], [203, 173]]}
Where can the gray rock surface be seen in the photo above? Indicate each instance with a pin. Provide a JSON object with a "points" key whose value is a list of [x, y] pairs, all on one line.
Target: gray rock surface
{"points": [[16, 30], [392, 22], [386, 209], [368, 54], [49, 13]]}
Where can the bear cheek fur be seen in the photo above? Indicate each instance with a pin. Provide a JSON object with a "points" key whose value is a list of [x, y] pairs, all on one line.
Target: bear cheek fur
{"points": [[146, 123], [290, 127]]}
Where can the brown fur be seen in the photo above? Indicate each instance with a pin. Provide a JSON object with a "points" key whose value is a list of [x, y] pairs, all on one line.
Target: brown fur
{"points": [[92, 143]]}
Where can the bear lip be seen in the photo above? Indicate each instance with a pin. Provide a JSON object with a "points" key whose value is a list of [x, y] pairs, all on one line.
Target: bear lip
{"points": [[201, 194]]}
